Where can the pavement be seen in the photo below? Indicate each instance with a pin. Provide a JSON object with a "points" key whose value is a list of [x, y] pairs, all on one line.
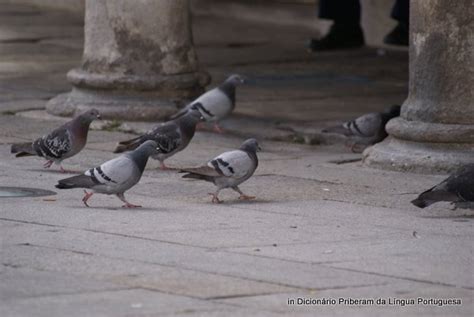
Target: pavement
{"points": [[323, 226]]}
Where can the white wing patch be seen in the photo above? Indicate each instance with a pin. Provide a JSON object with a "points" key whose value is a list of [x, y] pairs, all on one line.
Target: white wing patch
{"points": [[236, 164], [215, 103]]}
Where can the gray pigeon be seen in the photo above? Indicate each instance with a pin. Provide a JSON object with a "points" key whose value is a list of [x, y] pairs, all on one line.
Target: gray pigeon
{"points": [[367, 129], [115, 176], [216, 103], [64, 142], [229, 169], [172, 136], [457, 188]]}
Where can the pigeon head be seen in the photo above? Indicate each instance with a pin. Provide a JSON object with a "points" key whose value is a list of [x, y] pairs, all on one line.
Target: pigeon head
{"points": [[235, 79], [393, 111], [250, 145], [90, 115]]}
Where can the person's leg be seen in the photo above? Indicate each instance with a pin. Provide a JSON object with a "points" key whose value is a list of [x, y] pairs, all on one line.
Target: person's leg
{"points": [[342, 11], [345, 31], [401, 13]]}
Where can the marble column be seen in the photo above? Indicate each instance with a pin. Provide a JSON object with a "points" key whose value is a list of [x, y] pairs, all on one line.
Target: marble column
{"points": [[138, 63], [435, 132]]}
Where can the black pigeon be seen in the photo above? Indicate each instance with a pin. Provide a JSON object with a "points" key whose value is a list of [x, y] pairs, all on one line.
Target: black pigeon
{"points": [[171, 136], [457, 188]]}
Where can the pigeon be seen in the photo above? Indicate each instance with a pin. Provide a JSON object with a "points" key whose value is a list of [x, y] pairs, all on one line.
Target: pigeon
{"points": [[62, 143], [367, 129], [172, 136], [457, 188], [216, 103], [229, 169], [115, 176]]}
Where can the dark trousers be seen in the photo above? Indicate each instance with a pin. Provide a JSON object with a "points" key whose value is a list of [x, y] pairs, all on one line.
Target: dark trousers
{"points": [[348, 11]]}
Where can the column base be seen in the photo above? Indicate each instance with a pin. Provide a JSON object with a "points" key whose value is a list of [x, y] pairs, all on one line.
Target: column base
{"points": [[130, 98], [423, 147], [408, 156]]}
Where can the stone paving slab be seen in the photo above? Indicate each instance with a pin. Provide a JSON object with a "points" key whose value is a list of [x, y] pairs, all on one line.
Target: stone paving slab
{"points": [[127, 302], [135, 273], [20, 282]]}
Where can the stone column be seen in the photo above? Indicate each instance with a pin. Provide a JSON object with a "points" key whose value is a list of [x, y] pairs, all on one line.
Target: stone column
{"points": [[139, 61], [435, 132]]}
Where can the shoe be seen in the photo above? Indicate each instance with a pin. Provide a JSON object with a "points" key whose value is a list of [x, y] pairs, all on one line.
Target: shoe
{"points": [[398, 36], [339, 37]]}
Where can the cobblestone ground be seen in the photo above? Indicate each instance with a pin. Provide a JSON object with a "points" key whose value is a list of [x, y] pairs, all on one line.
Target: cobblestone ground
{"points": [[323, 227]]}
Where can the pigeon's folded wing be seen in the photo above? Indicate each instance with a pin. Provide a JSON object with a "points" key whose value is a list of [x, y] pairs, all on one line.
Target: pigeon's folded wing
{"points": [[54, 145], [114, 172], [367, 125], [167, 136], [234, 164]]}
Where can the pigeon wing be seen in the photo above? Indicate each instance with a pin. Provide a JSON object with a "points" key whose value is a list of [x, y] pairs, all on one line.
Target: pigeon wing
{"points": [[367, 125], [213, 105], [114, 172], [54, 145], [236, 164], [167, 136]]}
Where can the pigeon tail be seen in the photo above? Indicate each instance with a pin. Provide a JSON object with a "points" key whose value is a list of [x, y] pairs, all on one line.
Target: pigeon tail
{"points": [[23, 149], [179, 114], [79, 181], [197, 176], [128, 145], [336, 129], [203, 173]]}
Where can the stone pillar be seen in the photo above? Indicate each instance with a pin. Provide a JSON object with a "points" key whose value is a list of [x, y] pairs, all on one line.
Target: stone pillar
{"points": [[139, 61], [435, 132]]}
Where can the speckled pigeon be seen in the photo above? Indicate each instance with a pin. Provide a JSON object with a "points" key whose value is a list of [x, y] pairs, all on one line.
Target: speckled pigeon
{"points": [[229, 169], [457, 188], [115, 176], [217, 103], [172, 136], [367, 129], [62, 143]]}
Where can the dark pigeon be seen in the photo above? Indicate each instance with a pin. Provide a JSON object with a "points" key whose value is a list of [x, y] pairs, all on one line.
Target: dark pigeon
{"points": [[172, 136], [457, 188], [62, 143]]}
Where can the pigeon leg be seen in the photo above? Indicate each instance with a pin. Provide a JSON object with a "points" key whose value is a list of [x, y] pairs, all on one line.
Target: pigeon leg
{"points": [[242, 195], [127, 204], [163, 166], [48, 164], [357, 148], [200, 126], [86, 197], [217, 128], [215, 199]]}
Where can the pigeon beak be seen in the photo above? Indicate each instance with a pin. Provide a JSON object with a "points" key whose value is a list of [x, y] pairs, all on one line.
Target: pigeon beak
{"points": [[99, 117], [259, 149]]}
